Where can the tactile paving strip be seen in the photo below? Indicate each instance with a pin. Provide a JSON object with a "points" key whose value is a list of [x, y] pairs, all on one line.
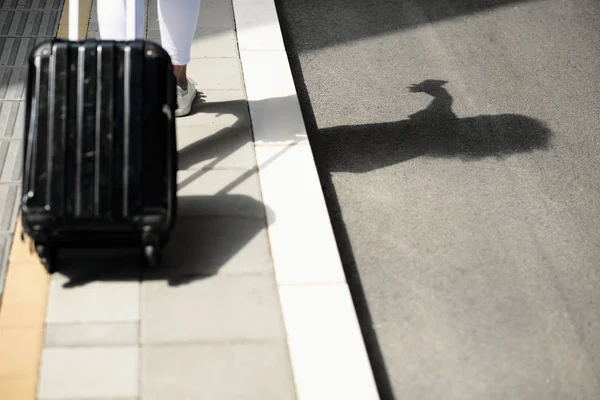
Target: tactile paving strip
{"points": [[5, 241], [12, 83], [45, 5], [8, 196], [12, 119], [23, 25], [15, 51]]}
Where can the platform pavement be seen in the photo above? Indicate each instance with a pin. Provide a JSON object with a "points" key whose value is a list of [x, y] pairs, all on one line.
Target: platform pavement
{"points": [[208, 324], [253, 300]]}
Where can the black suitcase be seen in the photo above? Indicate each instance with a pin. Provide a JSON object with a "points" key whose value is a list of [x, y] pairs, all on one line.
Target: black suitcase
{"points": [[100, 154]]}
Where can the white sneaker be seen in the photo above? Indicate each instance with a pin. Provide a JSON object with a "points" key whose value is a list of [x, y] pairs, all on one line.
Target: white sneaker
{"points": [[185, 99]]}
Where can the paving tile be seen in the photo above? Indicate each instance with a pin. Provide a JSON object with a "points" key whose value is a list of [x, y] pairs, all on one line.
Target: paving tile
{"points": [[216, 13], [20, 250], [292, 193], [9, 197], [97, 334], [98, 301], [29, 23], [208, 42], [25, 296], [11, 158], [324, 336], [224, 148], [31, 4], [257, 25], [12, 83], [93, 34], [214, 42], [238, 371], [5, 242], [222, 108], [16, 51], [94, 11], [218, 308], [213, 14], [216, 73], [274, 107], [19, 351], [209, 246], [220, 192], [89, 372], [12, 119], [20, 387], [93, 24]]}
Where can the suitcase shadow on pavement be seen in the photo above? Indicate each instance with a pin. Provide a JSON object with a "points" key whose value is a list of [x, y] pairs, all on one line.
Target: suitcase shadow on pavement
{"points": [[213, 233], [433, 132], [198, 248]]}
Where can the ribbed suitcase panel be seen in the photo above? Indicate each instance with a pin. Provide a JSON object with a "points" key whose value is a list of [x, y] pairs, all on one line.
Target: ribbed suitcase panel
{"points": [[86, 131], [39, 143], [105, 131], [133, 127], [100, 135], [57, 132]]}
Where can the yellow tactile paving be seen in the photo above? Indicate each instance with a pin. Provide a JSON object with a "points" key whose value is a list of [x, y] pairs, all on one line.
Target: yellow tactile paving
{"points": [[25, 293], [23, 306], [22, 314]]}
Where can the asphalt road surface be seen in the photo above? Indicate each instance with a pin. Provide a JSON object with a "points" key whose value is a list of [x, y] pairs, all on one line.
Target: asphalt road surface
{"points": [[459, 148]]}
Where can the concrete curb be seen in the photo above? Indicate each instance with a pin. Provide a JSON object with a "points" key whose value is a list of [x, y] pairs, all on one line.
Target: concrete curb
{"points": [[328, 354]]}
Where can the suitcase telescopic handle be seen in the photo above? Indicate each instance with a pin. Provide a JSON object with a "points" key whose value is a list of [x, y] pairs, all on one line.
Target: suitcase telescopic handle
{"points": [[134, 24]]}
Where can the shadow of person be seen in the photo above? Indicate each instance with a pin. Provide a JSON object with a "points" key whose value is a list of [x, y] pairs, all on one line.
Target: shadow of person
{"points": [[210, 233], [435, 131], [199, 246], [222, 143]]}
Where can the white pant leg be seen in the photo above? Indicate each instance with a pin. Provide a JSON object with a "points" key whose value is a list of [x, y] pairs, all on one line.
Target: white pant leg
{"points": [[111, 19], [177, 20]]}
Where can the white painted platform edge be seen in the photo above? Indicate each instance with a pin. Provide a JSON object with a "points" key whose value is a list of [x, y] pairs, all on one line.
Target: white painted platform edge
{"points": [[328, 355]]}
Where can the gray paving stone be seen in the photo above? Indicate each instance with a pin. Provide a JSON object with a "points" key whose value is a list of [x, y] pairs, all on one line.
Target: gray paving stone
{"points": [[12, 83], [210, 246], [213, 14], [216, 73], [208, 42], [108, 299], [9, 196], [93, 34], [5, 242], [11, 157], [89, 373], [222, 108], [93, 24], [219, 308], [29, 23], [16, 51], [226, 192], [12, 119], [31, 4], [98, 334], [209, 147], [256, 371]]}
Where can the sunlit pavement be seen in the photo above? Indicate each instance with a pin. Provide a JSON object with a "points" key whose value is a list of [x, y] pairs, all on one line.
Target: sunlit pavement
{"points": [[251, 301]]}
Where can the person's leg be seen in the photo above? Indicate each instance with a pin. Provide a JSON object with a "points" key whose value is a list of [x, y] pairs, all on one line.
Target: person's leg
{"points": [[111, 19], [177, 21]]}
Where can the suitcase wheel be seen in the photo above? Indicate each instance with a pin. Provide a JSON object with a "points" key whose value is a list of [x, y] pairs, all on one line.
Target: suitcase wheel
{"points": [[151, 249], [152, 255], [47, 256]]}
